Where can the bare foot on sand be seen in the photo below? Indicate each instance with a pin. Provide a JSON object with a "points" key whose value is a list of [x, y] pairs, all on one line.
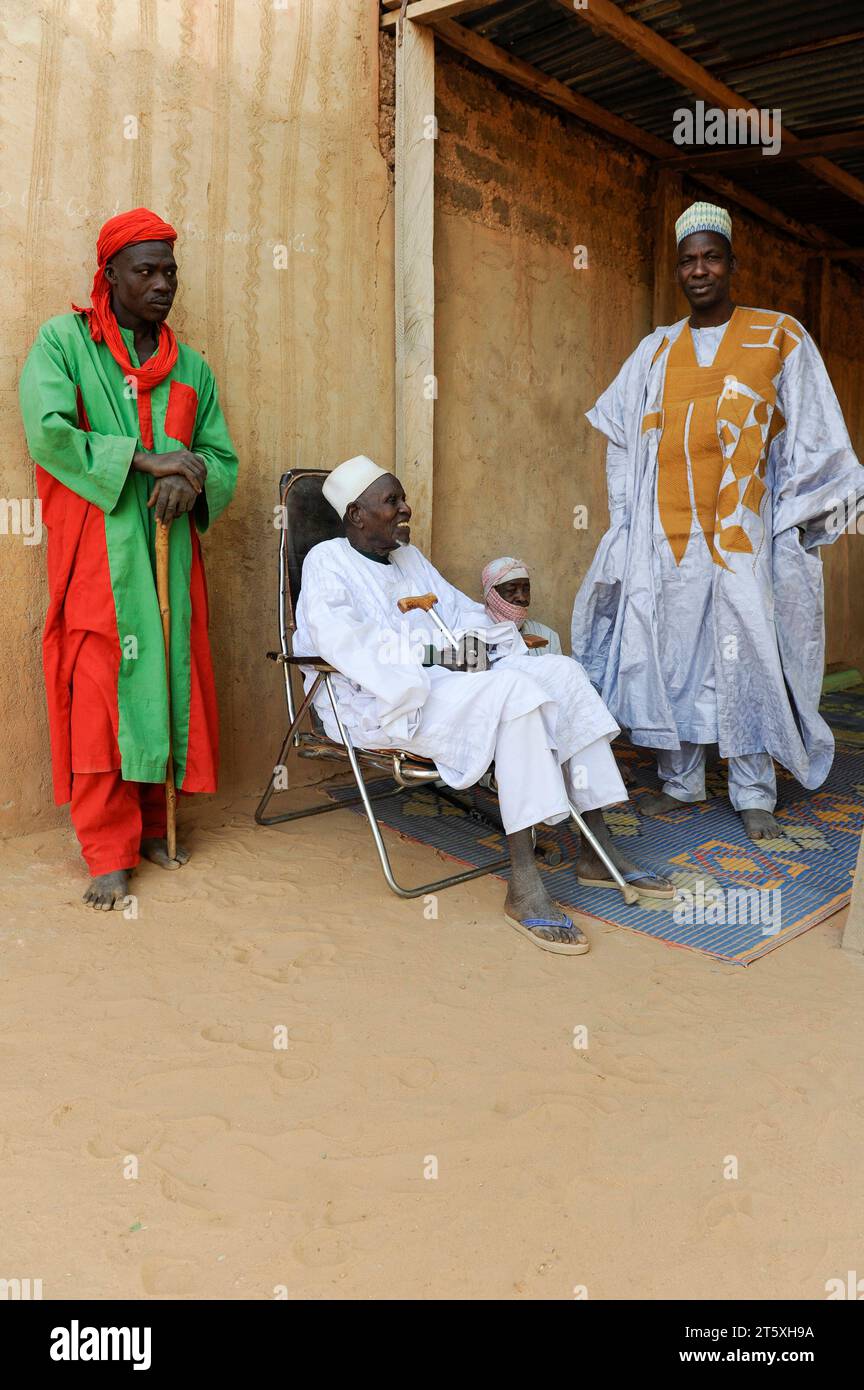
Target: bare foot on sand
{"points": [[157, 852], [107, 890]]}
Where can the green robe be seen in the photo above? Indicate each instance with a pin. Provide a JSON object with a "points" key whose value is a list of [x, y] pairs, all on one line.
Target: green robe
{"points": [[83, 424]]}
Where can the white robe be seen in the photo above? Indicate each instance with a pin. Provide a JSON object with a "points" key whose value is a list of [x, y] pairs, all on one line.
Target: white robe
{"points": [[347, 615]]}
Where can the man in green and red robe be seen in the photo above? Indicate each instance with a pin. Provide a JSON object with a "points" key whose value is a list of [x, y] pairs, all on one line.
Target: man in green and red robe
{"points": [[125, 427]]}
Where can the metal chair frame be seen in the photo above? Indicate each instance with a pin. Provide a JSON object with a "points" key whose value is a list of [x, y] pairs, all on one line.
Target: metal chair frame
{"points": [[408, 771]]}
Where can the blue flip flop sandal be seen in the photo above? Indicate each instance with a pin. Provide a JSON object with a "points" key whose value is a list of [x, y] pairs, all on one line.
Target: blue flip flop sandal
{"points": [[559, 948], [632, 877]]}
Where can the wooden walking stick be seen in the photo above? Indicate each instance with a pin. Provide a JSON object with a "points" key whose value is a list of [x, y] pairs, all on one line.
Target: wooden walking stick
{"points": [[163, 550]]}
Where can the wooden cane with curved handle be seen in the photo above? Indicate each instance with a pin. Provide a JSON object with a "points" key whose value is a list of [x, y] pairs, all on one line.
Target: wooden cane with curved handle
{"points": [[427, 603], [163, 552], [424, 601]]}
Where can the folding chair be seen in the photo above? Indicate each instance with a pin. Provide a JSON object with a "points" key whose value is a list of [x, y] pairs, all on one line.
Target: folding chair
{"points": [[306, 518]]}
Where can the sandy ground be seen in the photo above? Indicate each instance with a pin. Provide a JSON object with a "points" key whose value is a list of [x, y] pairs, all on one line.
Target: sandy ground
{"points": [[410, 1042]]}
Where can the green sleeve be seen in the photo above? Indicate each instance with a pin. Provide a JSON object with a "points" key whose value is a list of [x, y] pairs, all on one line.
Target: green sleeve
{"points": [[213, 442], [93, 465]]}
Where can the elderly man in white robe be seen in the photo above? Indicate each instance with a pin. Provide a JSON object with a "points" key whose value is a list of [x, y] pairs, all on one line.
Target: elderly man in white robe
{"points": [[544, 726]]}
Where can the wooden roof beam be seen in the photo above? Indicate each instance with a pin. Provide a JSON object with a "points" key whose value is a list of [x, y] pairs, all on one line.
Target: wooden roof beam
{"points": [[605, 18], [752, 154], [427, 11], [848, 253], [497, 60]]}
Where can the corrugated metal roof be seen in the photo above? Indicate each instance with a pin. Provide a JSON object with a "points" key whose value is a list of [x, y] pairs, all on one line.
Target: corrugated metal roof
{"points": [[805, 58]]}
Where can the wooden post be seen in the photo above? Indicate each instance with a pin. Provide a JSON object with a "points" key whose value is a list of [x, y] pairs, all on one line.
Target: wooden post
{"points": [[668, 303], [416, 387]]}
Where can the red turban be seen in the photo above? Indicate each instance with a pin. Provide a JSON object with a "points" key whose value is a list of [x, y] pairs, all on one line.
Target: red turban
{"points": [[127, 229]]}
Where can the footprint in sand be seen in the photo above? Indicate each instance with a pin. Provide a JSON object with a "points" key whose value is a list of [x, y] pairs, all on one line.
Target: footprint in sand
{"points": [[635, 1067], [291, 1070], [104, 1134], [766, 1131], [171, 1190], [280, 975], [260, 1042], [512, 1107], [315, 955], [728, 1206], [418, 1073], [565, 1105], [217, 1032], [124, 1136], [80, 1110], [345, 1213], [322, 1247], [223, 1178]]}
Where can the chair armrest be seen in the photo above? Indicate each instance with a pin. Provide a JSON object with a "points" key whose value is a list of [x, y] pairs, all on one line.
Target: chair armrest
{"points": [[314, 661]]}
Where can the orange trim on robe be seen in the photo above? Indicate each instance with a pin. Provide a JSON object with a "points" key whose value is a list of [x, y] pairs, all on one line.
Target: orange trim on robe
{"points": [[700, 406]]}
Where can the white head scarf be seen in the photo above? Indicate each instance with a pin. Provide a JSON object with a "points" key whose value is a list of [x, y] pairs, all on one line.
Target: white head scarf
{"points": [[345, 484]]}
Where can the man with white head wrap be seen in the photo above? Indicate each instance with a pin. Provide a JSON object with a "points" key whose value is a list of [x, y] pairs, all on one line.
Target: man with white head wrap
{"points": [[507, 596], [700, 620], [542, 723]]}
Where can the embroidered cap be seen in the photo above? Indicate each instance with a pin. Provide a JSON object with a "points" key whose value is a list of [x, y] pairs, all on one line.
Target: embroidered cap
{"points": [[703, 217]]}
